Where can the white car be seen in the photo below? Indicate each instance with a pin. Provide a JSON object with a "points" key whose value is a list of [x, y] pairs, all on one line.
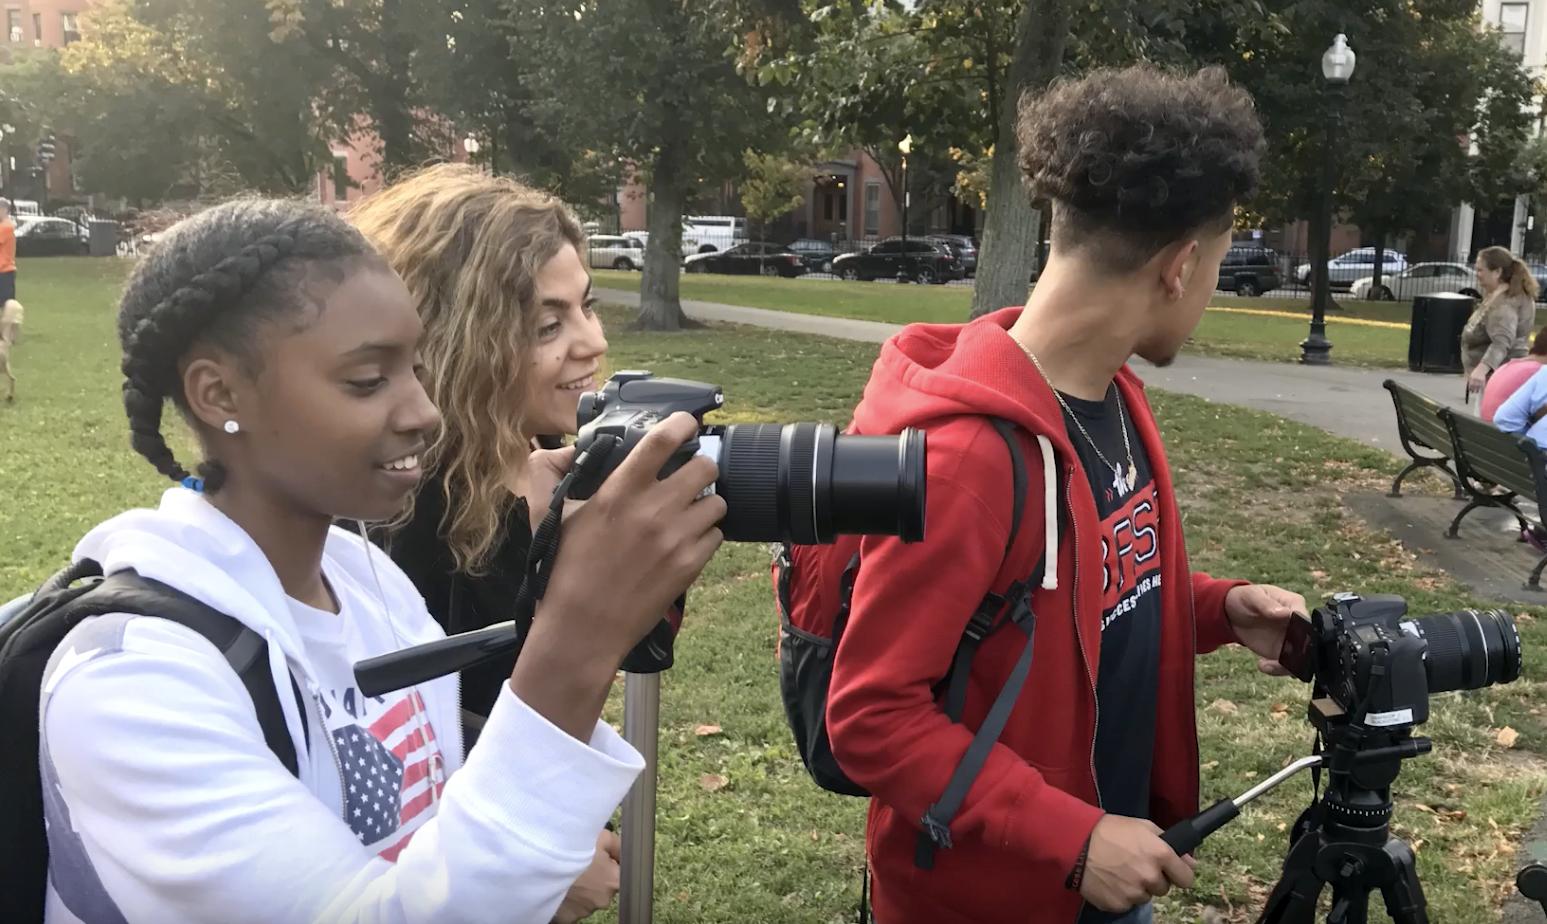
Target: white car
{"points": [[1356, 264], [1418, 279], [612, 252], [711, 233]]}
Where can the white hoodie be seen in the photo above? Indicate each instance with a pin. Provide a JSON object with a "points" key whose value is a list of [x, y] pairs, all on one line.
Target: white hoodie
{"points": [[164, 804]]}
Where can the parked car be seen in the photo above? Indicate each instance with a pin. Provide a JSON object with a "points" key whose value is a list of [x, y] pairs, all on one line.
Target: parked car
{"points": [[749, 259], [1249, 269], [612, 252], [709, 233], [1418, 279], [1356, 264], [817, 255], [963, 248], [50, 237], [924, 261]]}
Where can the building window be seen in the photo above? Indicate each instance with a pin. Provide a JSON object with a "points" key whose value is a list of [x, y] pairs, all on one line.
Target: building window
{"points": [[71, 24], [37, 28], [13, 25], [340, 177], [1512, 26], [872, 209]]}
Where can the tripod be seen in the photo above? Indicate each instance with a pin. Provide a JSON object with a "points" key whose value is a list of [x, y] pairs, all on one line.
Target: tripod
{"points": [[1344, 840]]}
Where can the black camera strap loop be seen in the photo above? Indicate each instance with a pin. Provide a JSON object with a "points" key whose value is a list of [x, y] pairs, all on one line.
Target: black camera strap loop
{"points": [[545, 541]]}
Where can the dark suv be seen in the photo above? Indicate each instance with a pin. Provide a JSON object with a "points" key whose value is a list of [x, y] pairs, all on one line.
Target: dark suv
{"points": [[1248, 270], [924, 261]]}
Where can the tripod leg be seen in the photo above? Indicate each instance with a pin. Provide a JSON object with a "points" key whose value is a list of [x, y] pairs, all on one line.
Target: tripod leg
{"points": [[1404, 894], [1293, 900]]}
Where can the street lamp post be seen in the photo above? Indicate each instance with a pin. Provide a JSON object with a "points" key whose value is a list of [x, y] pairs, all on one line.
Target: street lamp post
{"points": [[905, 270], [1337, 66]]}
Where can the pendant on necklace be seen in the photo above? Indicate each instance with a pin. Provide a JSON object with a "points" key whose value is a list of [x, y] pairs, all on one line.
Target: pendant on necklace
{"points": [[1133, 476]]}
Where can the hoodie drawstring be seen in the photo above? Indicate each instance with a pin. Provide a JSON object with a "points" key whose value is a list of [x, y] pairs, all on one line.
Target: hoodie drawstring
{"points": [[1050, 506], [279, 668]]}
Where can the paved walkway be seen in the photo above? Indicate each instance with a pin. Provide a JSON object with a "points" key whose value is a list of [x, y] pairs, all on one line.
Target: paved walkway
{"points": [[1344, 400]]}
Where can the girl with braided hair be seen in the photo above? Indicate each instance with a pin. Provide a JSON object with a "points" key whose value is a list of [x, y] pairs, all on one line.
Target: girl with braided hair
{"points": [[291, 350]]}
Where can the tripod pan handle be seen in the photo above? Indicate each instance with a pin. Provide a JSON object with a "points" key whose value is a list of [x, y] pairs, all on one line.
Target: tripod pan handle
{"points": [[1185, 836]]}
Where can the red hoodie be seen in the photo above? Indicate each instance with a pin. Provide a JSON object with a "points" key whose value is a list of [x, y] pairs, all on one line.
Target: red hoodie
{"points": [[1032, 808]]}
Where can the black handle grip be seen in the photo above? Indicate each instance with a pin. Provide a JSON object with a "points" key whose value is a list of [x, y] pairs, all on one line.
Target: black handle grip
{"points": [[1185, 836], [398, 669], [1532, 883]]}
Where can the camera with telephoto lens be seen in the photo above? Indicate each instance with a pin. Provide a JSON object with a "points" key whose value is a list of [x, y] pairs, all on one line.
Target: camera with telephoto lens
{"points": [[1366, 651], [803, 483]]}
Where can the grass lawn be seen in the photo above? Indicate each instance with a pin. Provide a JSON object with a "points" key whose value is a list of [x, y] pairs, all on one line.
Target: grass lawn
{"points": [[1220, 334], [743, 835]]}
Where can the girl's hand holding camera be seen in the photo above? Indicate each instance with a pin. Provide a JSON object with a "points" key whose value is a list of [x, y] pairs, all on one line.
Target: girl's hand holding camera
{"points": [[626, 554]]}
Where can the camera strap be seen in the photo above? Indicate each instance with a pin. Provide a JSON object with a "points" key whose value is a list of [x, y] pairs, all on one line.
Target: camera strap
{"points": [[545, 541]]}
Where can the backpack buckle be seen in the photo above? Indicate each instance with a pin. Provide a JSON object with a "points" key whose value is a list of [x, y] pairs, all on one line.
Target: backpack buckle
{"points": [[937, 832], [985, 618]]}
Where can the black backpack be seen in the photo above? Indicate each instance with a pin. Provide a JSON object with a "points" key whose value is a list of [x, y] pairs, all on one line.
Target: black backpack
{"points": [[809, 636], [28, 640]]}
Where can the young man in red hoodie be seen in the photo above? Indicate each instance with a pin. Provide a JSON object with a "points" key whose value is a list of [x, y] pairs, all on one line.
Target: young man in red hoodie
{"points": [[1144, 170]]}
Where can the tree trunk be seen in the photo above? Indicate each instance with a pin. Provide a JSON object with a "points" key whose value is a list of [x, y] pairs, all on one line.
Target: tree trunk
{"points": [[1380, 259], [660, 305], [394, 122], [1010, 229]]}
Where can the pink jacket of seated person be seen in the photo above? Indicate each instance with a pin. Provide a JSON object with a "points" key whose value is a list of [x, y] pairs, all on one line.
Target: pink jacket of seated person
{"points": [[1503, 383]]}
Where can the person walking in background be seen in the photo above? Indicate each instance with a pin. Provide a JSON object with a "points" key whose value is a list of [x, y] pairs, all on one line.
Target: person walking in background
{"points": [[1498, 329], [1512, 375], [7, 253]]}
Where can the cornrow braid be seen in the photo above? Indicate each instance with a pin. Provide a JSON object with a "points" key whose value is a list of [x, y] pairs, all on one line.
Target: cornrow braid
{"points": [[212, 278]]}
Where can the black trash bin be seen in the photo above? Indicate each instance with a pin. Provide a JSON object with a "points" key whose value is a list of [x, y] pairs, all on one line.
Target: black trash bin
{"points": [[1434, 343], [104, 238]]}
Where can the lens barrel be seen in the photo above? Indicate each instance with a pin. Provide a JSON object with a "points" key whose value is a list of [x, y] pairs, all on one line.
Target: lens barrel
{"points": [[807, 483], [1470, 649]]}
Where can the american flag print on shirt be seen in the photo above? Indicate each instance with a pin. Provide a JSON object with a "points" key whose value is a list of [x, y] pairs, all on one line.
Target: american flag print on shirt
{"points": [[393, 773]]}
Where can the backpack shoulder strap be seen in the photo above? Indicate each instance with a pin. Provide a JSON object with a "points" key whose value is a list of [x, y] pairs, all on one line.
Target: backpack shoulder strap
{"points": [[245, 650], [936, 821], [986, 618]]}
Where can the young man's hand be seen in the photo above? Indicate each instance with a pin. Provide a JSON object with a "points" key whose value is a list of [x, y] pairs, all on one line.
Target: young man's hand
{"points": [[1128, 864], [1259, 614]]}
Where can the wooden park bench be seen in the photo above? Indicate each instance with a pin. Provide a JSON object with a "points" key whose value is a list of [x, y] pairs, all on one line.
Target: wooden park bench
{"points": [[1497, 469], [1424, 435]]}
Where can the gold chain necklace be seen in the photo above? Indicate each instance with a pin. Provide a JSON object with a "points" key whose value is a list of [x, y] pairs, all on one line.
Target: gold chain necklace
{"points": [[1132, 476]]}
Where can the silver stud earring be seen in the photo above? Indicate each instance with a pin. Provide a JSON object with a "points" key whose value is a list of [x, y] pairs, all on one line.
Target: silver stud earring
{"points": [[232, 426]]}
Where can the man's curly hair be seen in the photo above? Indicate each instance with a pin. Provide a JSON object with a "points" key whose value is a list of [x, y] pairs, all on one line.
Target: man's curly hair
{"points": [[1139, 157]]}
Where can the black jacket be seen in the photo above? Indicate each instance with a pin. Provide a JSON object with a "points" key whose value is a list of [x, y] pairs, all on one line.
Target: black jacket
{"points": [[459, 602]]}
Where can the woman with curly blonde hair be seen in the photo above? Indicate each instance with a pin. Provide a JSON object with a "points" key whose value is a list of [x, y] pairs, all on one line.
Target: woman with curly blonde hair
{"points": [[511, 340]]}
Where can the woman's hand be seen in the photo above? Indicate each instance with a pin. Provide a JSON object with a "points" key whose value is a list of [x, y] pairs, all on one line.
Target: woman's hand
{"points": [[1478, 378], [539, 478]]}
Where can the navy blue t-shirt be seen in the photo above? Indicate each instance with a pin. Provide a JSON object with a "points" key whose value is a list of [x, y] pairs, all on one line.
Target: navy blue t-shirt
{"points": [[1128, 678]]}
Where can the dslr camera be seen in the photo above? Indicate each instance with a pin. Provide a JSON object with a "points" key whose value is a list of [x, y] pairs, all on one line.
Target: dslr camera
{"points": [[804, 483], [1366, 652]]}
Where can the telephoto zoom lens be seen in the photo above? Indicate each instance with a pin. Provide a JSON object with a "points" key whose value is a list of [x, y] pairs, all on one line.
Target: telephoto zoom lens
{"points": [[1469, 650], [806, 483]]}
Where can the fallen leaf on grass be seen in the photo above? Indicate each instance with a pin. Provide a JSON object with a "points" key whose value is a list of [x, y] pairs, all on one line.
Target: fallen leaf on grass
{"points": [[713, 782], [1507, 737], [1279, 712], [1224, 707], [704, 731]]}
